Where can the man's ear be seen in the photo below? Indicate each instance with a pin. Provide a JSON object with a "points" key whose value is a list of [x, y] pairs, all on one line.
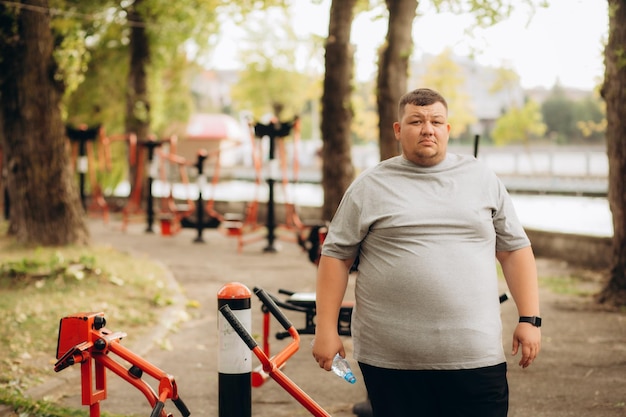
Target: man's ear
{"points": [[396, 130]]}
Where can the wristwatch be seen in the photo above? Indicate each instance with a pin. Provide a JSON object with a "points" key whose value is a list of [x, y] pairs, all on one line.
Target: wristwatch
{"points": [[534, 320]]}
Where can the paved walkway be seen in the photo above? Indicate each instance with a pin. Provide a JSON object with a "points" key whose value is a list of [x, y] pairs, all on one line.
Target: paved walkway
{"points": [[186, 344]]}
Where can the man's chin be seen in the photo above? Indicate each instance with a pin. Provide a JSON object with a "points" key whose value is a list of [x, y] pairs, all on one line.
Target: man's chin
{"points": [[427, 159]]}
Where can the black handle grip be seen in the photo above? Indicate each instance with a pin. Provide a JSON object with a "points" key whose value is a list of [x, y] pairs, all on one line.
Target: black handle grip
{"points": [[158, 407], [273, 308], [181, 407], [503, 297], [239, 328]]}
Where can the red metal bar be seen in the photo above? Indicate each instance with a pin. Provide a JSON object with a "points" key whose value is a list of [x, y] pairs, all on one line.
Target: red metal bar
{"points": [[295, 391]]}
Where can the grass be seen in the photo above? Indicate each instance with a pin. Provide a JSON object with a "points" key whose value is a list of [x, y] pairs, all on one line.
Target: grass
{"points": [[566, 285], [39, 286], [24, 407]]}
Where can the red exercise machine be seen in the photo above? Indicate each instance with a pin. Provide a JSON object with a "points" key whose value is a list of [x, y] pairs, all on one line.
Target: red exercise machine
{"points": [[84, 339]]}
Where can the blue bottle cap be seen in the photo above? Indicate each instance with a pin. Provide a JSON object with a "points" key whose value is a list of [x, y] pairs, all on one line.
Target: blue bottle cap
{"points": [[350, 377]]}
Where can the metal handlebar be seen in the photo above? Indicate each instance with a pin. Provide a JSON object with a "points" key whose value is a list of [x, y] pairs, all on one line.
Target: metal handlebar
{"points": [[272, 365]]}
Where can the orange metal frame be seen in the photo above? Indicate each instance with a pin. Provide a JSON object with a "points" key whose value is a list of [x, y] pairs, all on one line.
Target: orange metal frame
{"points": [[84, 339], [241, 226], [172, 213]]}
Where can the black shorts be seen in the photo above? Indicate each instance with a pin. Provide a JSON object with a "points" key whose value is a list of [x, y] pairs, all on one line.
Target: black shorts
{"points": [[480, 392]]}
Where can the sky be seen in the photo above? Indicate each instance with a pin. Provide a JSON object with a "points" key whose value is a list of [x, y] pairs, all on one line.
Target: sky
{"points": [[562, 43]]}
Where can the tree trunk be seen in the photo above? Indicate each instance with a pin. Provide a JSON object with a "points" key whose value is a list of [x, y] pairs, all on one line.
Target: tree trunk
{"points": [[393, 68], [614, 94], [137, 100], [337, 168], [45, 207]]}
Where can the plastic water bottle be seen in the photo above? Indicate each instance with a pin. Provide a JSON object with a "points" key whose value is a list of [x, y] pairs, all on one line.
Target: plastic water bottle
{"points": [[341, 367]]}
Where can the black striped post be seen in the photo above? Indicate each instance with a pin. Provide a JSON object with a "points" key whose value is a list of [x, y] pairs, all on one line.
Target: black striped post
{"points": [[234, 356]]}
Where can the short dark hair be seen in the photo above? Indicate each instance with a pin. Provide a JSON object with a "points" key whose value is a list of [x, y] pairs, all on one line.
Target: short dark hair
{"points": [[420, 97]]}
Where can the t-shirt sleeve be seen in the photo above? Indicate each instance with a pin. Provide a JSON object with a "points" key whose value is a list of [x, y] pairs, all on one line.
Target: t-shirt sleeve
{"points": [[510, 234], [345, 230]]}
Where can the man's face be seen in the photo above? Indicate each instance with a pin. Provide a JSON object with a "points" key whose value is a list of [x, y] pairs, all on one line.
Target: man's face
{"points": [[423, 133]]}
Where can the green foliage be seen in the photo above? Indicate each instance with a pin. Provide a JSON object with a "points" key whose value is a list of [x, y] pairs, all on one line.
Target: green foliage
{"points": [[103, 29], [519, 125], [171, 100], [171, 25], [70, 54], [558, 111], [271, 76], [573, 120], [446, 76], [591, 119], [487, 12], [506, 80]]}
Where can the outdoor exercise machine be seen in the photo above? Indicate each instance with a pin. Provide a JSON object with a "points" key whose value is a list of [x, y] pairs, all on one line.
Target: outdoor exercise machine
{"points": [[240, 226], [82, 142], [174, 216], [140, 153], [151, 144], [235, 387], [135, 175], [213, 220], [84, 339], [303, 302], [172, 212], [273, 131], [237, 225]]}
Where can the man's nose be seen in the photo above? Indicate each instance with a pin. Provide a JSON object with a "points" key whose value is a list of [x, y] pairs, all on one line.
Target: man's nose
{"points": [[428, 128]]}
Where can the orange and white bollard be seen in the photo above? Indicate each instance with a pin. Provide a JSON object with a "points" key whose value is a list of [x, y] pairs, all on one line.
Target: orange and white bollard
{"points": [[234, 356]]}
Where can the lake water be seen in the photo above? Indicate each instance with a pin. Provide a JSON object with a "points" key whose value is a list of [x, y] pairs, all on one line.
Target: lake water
{"points": [[579, 215]]}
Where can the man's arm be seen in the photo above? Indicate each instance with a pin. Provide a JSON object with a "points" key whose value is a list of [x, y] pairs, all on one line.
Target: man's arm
{"points": [[332, 281], [520, 272]]}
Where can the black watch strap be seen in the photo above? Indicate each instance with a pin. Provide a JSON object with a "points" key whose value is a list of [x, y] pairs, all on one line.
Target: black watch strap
{"points": [[534, 320]]}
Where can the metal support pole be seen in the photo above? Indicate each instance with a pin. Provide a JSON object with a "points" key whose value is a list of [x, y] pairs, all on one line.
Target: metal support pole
{"points": [[151, 144], [476, 142], [83, 166], [271, 211], [234, 357], [273, 131], [202, 155], [82, 135]]}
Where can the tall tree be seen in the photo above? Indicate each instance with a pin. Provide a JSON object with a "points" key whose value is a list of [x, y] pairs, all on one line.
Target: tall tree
{"points": [[45, 208], [337, 168], [614, 93], [137, 99], [393, 70]]}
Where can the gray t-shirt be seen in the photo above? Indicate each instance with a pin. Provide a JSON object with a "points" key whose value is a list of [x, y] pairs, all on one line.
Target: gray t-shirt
{"points": [[426, 292]]}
